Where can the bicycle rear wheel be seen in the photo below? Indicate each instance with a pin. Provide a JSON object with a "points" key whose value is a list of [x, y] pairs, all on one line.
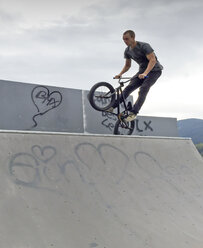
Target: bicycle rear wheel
{"points": [[102, 96], [123, 127]]}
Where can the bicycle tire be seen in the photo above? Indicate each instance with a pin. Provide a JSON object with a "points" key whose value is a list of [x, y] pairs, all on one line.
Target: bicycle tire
{"points": [[102, 102], [121, 126]]}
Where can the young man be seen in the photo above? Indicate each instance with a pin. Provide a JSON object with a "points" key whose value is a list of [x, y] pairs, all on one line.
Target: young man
{"points": [[149, 70]]}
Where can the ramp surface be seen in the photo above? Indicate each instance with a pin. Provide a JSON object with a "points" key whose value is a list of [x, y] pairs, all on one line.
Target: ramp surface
{"points": [[80, 191]]}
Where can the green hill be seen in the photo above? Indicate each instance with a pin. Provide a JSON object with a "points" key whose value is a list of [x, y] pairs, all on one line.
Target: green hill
{"points": [[192, 128]]}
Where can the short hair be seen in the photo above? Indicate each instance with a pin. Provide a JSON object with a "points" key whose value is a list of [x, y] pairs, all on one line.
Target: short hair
{"points": [[130, 32]]}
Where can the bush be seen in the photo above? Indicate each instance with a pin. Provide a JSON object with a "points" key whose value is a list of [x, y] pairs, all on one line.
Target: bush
{"points": [[200, 148]]}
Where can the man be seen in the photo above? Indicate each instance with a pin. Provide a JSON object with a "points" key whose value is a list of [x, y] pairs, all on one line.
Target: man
{"points": [[149, 70]]}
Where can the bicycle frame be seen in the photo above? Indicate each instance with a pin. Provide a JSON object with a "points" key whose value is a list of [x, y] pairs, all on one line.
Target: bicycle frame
{"points": [[119, 93]]}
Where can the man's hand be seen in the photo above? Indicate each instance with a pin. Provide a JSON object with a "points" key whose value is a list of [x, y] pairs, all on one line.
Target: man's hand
{"points": [[142, 76], [117, 76]]}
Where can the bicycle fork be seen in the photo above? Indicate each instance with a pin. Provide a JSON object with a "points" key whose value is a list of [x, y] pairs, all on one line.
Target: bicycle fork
{"points": [[119, 94]]}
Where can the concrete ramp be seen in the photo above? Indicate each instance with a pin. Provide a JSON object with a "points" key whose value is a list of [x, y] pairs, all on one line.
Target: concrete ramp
{"points": [[82, 191]]}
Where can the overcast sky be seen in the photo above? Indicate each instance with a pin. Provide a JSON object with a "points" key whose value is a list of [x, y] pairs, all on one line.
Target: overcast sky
{"points": [[75, 44]]}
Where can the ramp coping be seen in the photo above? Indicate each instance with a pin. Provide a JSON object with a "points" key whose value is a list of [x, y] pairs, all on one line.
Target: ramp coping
{"points": [[93, 135]]}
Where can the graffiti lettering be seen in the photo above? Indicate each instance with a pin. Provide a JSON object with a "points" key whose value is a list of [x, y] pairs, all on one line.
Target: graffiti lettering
{"points": [[29, 164], [110, 125], [109, 115], [101, 152], [32, 169], [109, 121], [147, 125], [137, 126], [41, 166]]}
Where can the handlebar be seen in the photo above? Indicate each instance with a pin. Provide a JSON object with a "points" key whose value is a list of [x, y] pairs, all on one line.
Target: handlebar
{"points": [[122, 78], [126, 78]]}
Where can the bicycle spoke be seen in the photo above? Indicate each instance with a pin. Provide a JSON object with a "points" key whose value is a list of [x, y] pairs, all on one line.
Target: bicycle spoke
{"points": [[102, 97]]}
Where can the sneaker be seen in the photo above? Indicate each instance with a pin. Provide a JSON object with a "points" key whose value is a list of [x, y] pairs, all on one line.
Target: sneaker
{"points": [[110, 110], [130, 117]]}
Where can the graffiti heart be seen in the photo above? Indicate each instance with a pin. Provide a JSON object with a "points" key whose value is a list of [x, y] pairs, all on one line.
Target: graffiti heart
{"points": [[44, 100]]}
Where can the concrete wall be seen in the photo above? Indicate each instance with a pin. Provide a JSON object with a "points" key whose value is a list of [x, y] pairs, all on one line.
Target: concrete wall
{"points": [[45, 108], [40, 108]]}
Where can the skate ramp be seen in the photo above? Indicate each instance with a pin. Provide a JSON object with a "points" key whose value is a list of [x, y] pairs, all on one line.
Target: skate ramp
{"points": [[72, 191]]}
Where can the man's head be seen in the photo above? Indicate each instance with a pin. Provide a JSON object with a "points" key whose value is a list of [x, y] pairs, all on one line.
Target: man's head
{"points": [[129, 37]]}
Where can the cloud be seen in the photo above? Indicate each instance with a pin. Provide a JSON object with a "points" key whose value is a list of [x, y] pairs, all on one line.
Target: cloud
{"points": [[8, 22]]}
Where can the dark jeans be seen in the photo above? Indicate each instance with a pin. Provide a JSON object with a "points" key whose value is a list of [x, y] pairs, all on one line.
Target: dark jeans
{"points": [[144, 85]]}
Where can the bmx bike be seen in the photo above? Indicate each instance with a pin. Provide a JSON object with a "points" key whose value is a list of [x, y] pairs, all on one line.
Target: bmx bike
{"points": [[102, 97]]}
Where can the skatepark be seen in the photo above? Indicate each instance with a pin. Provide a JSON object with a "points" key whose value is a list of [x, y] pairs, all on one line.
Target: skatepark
{"points": [[71, 186]]}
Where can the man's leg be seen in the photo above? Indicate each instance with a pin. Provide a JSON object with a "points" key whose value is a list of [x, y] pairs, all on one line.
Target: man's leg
{"points": [[144, 89], [134, 84]]}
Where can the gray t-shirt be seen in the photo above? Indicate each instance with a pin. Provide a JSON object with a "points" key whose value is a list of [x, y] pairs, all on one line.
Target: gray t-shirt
{"points": [[138, 54]]}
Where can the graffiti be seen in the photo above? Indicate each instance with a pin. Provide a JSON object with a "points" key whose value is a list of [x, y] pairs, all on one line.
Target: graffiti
{"points": [[109, 120], [43, 167], [146, 126], [26, 162], [43, 154], [153, 168], [41, 164], [44, 100], [103, 165], [171, 176], [150, 167]]}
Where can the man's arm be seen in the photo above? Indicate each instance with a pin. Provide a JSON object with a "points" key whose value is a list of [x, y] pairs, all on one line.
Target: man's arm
{"points": [[152, 62], [125, 68]]}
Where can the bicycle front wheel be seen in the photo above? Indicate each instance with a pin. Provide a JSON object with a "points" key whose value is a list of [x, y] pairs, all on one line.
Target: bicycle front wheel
{"points": [[102, 96], [123, 127]]}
